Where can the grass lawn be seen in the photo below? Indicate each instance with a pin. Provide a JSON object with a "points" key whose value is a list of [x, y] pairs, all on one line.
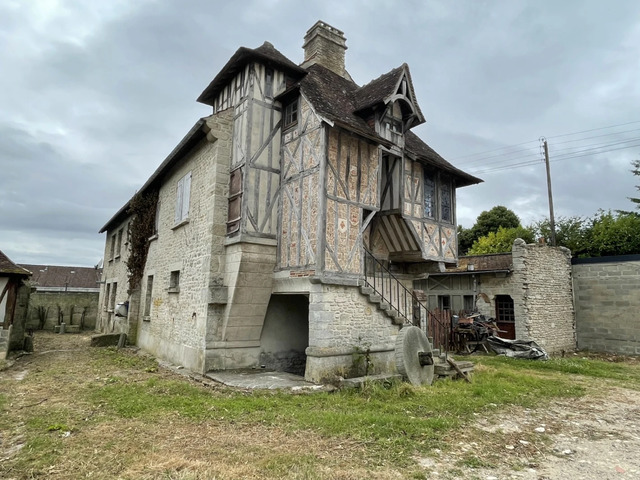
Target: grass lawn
{"points": [[103, 413]]}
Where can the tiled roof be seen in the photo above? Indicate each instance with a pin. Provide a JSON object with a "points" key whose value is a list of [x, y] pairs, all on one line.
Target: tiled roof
{"points": [[70, 277], [414, 145], [383, 87], [7, 267], [266, 54], [333, 97], [498, 262]]}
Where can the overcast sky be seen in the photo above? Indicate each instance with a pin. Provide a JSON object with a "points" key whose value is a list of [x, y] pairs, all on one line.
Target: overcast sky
{"points": [[95, 94]]}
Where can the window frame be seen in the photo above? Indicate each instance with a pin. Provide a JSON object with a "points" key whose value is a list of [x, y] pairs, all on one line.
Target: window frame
{"points": [[446, 183], [183, 199], [148, 297], [290, 114], [174, 281]]}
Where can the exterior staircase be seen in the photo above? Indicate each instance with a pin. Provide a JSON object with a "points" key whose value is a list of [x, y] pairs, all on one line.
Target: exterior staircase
{"points": [[390, 296]]}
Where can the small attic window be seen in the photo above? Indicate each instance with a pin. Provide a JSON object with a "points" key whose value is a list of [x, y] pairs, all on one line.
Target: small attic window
{"points": [[290, 117]]}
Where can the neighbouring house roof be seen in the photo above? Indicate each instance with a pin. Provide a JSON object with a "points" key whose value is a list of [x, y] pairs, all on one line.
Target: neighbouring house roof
{"points": [[61, 278], [7, 267], [497, 262], [266, 54]]}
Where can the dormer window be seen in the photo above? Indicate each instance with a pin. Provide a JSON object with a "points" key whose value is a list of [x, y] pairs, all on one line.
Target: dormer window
{"points": [[290, 114]]}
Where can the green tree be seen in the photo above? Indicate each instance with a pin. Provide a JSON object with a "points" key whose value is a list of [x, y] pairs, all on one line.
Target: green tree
{"points": [[571, 232], [614, 234], [500, 241], [488, 221]]}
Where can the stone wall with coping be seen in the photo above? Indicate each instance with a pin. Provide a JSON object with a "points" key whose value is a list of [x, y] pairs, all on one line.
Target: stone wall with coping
{"points": [[73, 305], [343, 326], [607, 297]]}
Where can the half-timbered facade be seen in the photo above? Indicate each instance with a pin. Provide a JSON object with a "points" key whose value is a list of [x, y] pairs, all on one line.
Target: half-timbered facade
{"points": [[268, 209]]}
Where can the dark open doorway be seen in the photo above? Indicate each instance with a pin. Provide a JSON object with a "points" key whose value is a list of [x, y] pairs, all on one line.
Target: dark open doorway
{"points": [[285, 334]]}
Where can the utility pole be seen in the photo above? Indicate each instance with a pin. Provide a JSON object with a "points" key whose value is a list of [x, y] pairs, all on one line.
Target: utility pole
{"points": [[552, 222]]}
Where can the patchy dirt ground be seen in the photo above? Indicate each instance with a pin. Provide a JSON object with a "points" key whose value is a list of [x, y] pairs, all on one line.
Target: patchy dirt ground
{"points": [[592, 438], [596, 437]]}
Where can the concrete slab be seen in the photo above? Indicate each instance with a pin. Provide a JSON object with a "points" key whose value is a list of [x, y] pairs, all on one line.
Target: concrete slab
{"points": [[265, 380]]}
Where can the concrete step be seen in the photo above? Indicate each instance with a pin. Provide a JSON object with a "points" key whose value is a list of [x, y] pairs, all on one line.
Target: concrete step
{"points": [[373, 298], [384, 306], [366, 290]]}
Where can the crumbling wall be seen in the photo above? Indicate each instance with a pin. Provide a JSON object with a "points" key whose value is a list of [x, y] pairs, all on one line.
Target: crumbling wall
{"points": [[544, 274], [607, 303]]}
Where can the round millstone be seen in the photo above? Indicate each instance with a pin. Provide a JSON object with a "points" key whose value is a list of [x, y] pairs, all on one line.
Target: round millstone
{"points": [[411, 341]]}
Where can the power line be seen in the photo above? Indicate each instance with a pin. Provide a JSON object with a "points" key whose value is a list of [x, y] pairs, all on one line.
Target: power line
{"points": [[536, 162], [509, 149]]}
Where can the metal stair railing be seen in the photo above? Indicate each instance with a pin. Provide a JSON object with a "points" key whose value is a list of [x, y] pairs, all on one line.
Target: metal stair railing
{"points": [[402, 302]]}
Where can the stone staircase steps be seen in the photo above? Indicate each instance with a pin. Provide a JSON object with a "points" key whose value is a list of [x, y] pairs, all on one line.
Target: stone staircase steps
{"points": [[376, 300]]}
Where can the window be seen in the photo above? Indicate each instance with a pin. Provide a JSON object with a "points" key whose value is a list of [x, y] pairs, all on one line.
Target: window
{"points": [[467, 303], [235, 201], [174, 282], [446, 215], [268, 86], [114, 290], [444, 302], [291, 114], [156, 223], [504, 309], [119, 243], [107, 294], [113, 247], [148, 296], [429, 195], [183, 193]]}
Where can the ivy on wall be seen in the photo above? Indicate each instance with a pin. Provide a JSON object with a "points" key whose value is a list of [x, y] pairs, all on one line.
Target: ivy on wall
{"points": [[142, 209]]}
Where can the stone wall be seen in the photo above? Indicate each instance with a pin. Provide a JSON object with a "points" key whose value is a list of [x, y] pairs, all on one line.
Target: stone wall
{"points": [[69, 302], [343, 327], [544, 274], [539, 285], [177, 321], [114, 276], [607, 296]]}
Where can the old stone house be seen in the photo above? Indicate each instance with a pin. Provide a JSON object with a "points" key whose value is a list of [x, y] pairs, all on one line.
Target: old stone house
{"points": [[300, 188], [14, 296], [528, 292], [63, 293]]}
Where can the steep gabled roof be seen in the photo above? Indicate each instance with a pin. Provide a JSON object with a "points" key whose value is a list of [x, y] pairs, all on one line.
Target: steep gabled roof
{"points": [[7, 267], [384, 87], [332, 97], [59, 276], [423, 152], [266, 54]]}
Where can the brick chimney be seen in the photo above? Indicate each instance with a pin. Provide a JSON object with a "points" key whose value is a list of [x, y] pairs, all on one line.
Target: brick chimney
{"points": [[325, 45]]}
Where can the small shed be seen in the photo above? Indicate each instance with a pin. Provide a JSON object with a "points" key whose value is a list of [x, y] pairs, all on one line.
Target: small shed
{"points": [[12, 318], [528, 291]]}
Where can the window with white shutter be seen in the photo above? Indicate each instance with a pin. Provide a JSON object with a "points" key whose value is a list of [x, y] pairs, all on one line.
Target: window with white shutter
{"points": [[183, 194]]}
